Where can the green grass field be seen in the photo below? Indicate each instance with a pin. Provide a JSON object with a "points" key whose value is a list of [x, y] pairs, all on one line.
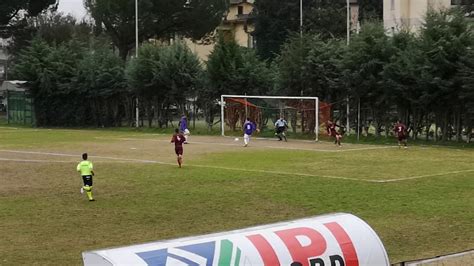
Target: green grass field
{"points": [[420, 200]]}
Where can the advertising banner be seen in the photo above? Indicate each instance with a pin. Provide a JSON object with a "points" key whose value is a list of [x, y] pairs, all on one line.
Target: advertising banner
{"points": [[330, 240]]}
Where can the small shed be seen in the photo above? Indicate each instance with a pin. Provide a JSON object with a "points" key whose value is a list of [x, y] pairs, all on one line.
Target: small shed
{"points": [[17, 102]]}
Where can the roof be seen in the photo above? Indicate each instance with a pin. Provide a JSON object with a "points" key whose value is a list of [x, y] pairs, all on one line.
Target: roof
{"points": [[13, 85]]}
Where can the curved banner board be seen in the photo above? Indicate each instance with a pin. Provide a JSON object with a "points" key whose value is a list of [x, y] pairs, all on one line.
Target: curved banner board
{"points": [[330, 240]]}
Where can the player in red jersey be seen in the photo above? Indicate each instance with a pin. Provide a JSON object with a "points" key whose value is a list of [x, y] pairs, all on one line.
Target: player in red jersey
{"points": [[178, 140], [401, 132], [331, 129]]}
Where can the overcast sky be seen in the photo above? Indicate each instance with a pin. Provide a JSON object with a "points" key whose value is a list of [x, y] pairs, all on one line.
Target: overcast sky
{"points": [[73, 7]]}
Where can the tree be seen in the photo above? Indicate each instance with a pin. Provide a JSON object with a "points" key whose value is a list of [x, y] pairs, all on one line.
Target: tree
{"points": [[72, 85], [164, 77], [368, 53], [100, 81], [429, 75], [52, 27], [49, 71], [10, 9], [405, 75], [466, 95], [14, 15], [275, 20], [232, 69], [160, 19], [293, 77], [324, 67], [370, 10], [140, 74], [445, 38], [223, 68], [257, 78], [311, 66], [326, 18], [179, 72]]}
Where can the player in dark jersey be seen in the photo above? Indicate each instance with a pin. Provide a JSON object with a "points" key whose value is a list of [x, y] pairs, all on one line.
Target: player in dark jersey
{"points": [[401, 132], [331, 129], [178, 140]]}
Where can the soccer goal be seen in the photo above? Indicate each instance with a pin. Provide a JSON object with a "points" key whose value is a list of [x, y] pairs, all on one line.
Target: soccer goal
{"points": [[303, 114]]}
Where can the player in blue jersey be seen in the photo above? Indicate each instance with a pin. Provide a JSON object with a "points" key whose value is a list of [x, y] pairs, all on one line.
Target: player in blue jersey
{"points": [[249, 128], [183, 128]]}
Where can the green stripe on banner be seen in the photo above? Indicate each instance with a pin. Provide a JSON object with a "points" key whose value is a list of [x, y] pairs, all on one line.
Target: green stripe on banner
{"points": [[226, 253], [237, 257]]}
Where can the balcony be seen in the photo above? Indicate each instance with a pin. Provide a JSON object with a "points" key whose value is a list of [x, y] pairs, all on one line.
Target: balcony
{"points": [[245, 17], [236, 2]]}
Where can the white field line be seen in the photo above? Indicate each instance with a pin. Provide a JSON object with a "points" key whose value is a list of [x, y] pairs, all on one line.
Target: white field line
{"points": [[120, 160], [124, 160], [32, 161], [306, 149], [53, 161], [17, 130], [423, 176], [78, 156], [191, 165], [266, 146]]}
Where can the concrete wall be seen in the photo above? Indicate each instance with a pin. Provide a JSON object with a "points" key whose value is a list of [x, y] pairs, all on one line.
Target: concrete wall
{"points": [[202, 51]]}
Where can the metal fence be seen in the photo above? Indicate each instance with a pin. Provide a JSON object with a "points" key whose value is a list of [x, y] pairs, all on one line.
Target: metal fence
{"points": [[20, 108]]}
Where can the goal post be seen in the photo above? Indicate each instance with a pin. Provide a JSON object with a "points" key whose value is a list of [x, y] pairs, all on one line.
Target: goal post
{"points": [[302, 113]]}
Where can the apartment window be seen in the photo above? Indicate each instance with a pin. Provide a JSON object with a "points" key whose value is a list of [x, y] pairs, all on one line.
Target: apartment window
{"points": [[240, 10], [392, 4]]}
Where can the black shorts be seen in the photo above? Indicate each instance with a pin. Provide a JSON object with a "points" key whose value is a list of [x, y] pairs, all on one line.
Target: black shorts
{"points": [[87, 180], [402, 137], [178, 150], [280, 130]]}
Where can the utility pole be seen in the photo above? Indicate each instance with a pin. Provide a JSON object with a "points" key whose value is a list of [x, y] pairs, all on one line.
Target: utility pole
{"points": [[137, 115], [348, 9], [301, 18], [348, 29]]}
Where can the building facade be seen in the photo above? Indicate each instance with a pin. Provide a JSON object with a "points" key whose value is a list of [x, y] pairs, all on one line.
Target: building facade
{"points": [[237, 23], [409, 14]]}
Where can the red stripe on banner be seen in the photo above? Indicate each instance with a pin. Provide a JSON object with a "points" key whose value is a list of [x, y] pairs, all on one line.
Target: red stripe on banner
{"points": [[345, 242], [300, 253], [266, 251]]}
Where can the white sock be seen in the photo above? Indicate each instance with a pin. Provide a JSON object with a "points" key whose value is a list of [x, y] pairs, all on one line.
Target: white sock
{"points": [[246, 139]]}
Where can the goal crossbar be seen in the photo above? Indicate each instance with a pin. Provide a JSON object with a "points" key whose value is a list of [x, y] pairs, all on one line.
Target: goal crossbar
{"points": [[315, 99]]}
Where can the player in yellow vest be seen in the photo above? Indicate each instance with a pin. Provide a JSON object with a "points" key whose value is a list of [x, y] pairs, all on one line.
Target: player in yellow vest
{"points": [[87, 172]]}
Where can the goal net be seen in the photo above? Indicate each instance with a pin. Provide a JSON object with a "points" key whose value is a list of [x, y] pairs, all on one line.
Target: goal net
{"points": [[303, 114]]}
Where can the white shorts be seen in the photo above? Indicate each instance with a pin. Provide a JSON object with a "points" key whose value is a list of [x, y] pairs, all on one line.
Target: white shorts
{"points": [[186, 132]]}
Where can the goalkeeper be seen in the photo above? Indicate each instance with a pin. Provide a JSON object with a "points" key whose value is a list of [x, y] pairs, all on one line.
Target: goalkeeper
{"points": [[86, 169], [280, 126]]}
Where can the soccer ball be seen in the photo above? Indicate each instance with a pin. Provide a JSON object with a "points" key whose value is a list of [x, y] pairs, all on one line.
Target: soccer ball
{"points": [[236, 139]]}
